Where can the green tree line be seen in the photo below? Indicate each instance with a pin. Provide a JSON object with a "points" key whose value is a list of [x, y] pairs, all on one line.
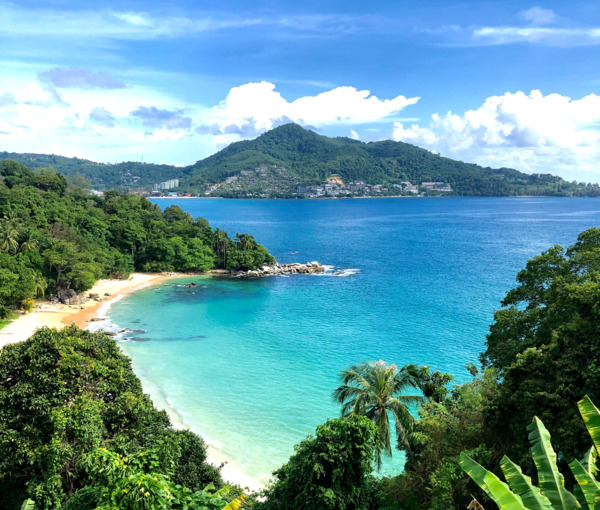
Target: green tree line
{"points": [[53, 235]]}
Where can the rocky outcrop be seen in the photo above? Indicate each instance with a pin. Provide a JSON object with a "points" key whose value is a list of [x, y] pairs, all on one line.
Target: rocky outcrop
{"points": [[70, 297], [283, 269]]}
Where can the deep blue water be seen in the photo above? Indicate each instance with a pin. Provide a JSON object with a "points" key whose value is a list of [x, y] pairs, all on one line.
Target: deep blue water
{"points": [[251, 364]]}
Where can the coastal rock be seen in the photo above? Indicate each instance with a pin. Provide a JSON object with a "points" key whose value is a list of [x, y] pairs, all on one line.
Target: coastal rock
{"points": [[93, 295], [70, 297], [98, 319], [283, 269], [108, 294]]}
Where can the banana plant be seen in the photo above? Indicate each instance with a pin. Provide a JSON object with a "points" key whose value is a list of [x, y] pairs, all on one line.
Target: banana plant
{"points": [[519, 493]]}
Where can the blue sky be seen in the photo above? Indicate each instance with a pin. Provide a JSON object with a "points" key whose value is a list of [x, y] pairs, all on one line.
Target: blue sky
{"points": [[501, 83]]}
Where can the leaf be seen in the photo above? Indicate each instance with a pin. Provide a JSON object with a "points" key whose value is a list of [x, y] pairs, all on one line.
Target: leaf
{"points": [[591, 417], [236, 504], [521, 484], [551, 482], [589, 461], [28, 504], [491, 484], [589, 486]]}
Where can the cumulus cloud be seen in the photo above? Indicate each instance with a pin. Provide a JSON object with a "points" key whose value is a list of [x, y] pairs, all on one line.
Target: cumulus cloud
{"points": [[77, 77], [43, 95], [256, 107], [539, 16], [154, 117], [102, 116], [517, 128]]}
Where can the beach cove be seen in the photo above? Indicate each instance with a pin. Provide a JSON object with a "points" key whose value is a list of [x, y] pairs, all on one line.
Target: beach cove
{"points": [[250, 364]]}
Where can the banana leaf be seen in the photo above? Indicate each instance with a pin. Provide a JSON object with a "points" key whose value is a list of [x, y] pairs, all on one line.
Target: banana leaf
{"points": [[491, 484], [589, 461], [591, 417], [551, 482], [236, 504], [521, 484], [587, 483]]}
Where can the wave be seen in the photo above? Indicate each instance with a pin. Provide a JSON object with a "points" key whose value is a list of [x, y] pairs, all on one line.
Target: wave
{"points": [[340, 273], [343, 273]]}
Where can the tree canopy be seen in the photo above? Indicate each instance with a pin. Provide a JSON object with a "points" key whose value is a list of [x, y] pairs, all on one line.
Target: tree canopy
{"points": [[67, 396], [53, 236]]}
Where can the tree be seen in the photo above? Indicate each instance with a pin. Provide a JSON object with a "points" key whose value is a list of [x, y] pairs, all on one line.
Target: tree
{"points": [[139, 482], [65, 394], [432, 478], [521, 494], [544, 345], [9, 236], [375, 390], [329, 471], [60, 258]]}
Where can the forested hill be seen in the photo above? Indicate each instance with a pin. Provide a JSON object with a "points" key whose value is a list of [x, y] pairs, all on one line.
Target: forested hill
{"points": [[280, 161]]}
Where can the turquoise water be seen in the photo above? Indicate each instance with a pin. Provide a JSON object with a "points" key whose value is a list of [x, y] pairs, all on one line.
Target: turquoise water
{"points": [[251, 363]]}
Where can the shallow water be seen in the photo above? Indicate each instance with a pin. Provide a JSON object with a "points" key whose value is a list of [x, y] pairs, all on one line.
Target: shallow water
{"points": [[251, 363]]}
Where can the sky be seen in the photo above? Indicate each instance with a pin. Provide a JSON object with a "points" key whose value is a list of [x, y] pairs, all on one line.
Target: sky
{"points": [[498, 83]]}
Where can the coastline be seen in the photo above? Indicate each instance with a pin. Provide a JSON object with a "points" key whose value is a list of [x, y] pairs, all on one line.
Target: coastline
{"points": [[61, 315]]}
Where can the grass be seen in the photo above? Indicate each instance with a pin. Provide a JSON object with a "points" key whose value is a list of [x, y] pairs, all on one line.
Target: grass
{"points": [[7, 321]]}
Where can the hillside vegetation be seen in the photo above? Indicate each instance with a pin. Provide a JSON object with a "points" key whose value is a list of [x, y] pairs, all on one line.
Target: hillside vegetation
{"points": [[277, 162], [54, 237]]}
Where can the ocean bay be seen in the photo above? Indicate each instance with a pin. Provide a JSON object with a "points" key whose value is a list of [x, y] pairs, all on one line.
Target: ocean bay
{"points": [[251, 363]]}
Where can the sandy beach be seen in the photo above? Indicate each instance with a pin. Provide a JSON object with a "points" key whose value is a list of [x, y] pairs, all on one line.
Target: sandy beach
{"points": [[59, 315]]}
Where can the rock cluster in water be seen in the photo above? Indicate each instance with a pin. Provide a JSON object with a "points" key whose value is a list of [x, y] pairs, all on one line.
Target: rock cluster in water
{"points": [[283, 269]]}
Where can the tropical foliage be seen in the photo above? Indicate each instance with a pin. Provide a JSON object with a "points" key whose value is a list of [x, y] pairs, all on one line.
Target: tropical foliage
{"points": [[70, 408], [330, 471], [522, 494], [55, 237], [543, 343], [376, 390]]}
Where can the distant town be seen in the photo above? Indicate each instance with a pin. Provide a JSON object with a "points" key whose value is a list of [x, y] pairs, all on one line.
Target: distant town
{"points": [[248, 184]]}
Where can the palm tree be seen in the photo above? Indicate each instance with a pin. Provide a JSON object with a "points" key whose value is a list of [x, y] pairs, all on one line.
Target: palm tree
{"points": [[40, 284], [8, 236], [29, 242], [375, 389]]}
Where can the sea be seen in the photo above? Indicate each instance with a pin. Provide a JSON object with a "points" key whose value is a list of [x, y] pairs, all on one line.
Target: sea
{"points": [[250, 364]]}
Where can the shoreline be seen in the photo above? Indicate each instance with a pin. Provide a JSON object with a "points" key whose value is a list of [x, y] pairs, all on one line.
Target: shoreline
{"points": [[60, 316]]}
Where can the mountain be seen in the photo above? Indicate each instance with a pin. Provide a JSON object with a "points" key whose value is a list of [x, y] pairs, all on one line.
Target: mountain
{"points": [[280, 161]]}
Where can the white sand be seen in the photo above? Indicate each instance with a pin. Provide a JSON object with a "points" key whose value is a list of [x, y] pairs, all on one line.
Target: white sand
{"points": [[59, 316]]}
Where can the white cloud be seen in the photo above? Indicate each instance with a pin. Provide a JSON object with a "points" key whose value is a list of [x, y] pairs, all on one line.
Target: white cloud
{"points": [[539, 16], [354, 135], [113, 124], [256, 107], [531, 132], [537, 35]]}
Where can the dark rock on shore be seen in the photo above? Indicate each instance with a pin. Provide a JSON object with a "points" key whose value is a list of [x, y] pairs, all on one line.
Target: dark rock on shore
{"points": [[283, 269]]}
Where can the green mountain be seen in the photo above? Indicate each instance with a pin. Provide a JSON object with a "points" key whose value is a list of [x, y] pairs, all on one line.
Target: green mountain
{"points": [[278, 162]]}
